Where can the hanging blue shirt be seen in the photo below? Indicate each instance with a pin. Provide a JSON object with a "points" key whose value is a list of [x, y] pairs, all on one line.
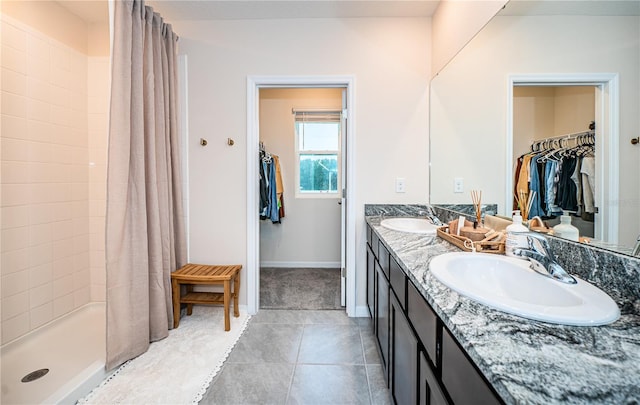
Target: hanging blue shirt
{"points": [[534, 185]]}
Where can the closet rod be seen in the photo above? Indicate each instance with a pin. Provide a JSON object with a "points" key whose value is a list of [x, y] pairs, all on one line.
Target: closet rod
{"points": [[567, 136], [546, 143]]}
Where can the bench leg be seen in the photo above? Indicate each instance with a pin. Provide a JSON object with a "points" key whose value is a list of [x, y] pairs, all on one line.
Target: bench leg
{"points": [[227, 294], [175, 287], [236, 293], [189, 306]]}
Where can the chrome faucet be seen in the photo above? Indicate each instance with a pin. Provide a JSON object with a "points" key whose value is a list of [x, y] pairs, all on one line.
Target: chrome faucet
{"points": [[431, 216], [542, 259], [636, 249]]}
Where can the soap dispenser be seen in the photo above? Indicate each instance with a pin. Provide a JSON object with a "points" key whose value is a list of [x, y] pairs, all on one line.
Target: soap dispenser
{"points": [[515, 235], [565, 230]]}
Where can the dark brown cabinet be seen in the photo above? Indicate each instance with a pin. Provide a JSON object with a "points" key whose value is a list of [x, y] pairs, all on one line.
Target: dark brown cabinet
{"points": [[460, 378], [398, 282], [422, 362], [430, 392], [424, 321], [403, 367], [382, 318], [371, 282]]}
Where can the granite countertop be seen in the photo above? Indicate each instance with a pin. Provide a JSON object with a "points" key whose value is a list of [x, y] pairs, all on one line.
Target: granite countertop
{"points": [[527, 362]]}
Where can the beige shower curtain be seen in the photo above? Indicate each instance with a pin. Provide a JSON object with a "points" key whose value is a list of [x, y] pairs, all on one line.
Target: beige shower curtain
{"points": [[145, 237]]}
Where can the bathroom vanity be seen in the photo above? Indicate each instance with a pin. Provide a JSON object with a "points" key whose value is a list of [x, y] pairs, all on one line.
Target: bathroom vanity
{"points": [[438, 347]]}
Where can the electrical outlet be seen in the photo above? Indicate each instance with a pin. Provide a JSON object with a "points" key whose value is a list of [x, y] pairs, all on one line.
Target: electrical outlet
{"points": [[400, 185], [458, 185]]}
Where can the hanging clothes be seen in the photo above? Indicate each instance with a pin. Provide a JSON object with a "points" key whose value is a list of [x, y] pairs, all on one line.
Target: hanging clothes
{"points": [[271, 187], [588, 173], [567, 195], [279, 187], [561, 176]]}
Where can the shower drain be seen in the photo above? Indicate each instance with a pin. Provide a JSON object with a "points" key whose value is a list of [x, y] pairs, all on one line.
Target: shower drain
{"points": [[34, 375]]}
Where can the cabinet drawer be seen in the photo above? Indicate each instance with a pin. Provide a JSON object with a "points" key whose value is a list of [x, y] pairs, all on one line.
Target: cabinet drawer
{"points": [[424, 321], [383, 258], [375, 241], [369, 232], [430, 391], [398, 282], [460, 378]]}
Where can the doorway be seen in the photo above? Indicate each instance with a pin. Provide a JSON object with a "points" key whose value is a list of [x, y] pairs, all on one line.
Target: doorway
{"points": [[556, 124], [347, 234], [606, 141], [300, 226]]}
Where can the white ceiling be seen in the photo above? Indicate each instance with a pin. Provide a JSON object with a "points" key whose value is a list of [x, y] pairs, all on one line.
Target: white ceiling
{"points": [[176, 10], [572, 7], [91, 11], [267, 9]]}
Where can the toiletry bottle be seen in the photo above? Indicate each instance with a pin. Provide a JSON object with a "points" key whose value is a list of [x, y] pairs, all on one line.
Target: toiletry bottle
{"points": [[515, 237], [565, 230]]}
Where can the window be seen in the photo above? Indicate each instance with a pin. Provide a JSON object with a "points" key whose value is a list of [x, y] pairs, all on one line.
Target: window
{"points": [[318, 154]]}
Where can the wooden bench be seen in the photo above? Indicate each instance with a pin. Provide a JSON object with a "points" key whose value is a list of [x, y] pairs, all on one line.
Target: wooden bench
{"points": [[202, 274]]}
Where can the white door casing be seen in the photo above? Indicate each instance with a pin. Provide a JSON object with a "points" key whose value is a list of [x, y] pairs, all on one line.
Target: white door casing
{"points": [[607, 140], [254, 84]]}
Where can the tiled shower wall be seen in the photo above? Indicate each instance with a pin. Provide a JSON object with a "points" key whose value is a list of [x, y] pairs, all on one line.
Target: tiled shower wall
{"points": [[98, 109], [52, 215]]}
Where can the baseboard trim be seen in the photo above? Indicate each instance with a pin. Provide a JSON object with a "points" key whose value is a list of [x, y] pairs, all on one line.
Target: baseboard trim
{"points": [[316, 265], [362, 311]]}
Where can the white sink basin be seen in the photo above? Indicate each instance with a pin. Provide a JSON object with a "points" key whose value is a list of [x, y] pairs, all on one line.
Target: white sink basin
{"points": [[509, 285], [412, 225]]}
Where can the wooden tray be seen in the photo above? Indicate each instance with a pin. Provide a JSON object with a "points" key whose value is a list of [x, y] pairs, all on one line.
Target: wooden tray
{"points": [[482, 247]]}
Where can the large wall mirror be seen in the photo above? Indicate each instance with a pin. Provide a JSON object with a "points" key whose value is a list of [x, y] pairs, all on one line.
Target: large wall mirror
{"points": [[540, 69]]}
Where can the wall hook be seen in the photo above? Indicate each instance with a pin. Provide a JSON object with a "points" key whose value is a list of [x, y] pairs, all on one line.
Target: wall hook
{"points": [[230, 142], [203, 142], [635, 141]]}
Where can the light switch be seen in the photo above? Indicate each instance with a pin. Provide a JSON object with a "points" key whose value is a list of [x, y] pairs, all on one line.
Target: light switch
{"points": [[400, 185]]}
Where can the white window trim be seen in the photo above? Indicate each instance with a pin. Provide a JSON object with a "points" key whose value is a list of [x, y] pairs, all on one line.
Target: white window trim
{"points": [[318, 194]]}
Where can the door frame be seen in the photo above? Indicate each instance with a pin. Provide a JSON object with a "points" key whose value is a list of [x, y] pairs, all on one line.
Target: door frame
{"points": [[607, 116], [254, 84]]}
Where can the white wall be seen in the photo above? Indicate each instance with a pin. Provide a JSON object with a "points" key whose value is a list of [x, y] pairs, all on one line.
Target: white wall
{"points": [[455, 22], [575, 108], [541, 112], [98, 87], [54, 129], [469, 98], [45, 179], [390, 61], [309, 234]]}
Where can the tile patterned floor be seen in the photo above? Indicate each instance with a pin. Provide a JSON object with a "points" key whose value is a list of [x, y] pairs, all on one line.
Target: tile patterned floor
{"points": [[302, 357]]}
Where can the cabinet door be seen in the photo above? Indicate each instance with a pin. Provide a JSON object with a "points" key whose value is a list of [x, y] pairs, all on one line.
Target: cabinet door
{"points": [[460, 378], [371, 282], [382, 318], [430, 391], [424, 321], [404, 357]]}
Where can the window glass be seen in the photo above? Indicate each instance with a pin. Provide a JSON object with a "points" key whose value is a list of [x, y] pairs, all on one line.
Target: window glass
{"points": [[318, 173], [318, 155], [319, 135]]}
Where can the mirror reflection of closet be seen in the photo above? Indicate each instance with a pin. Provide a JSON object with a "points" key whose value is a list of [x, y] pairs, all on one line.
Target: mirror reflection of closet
{"points": [[554, 112]]}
